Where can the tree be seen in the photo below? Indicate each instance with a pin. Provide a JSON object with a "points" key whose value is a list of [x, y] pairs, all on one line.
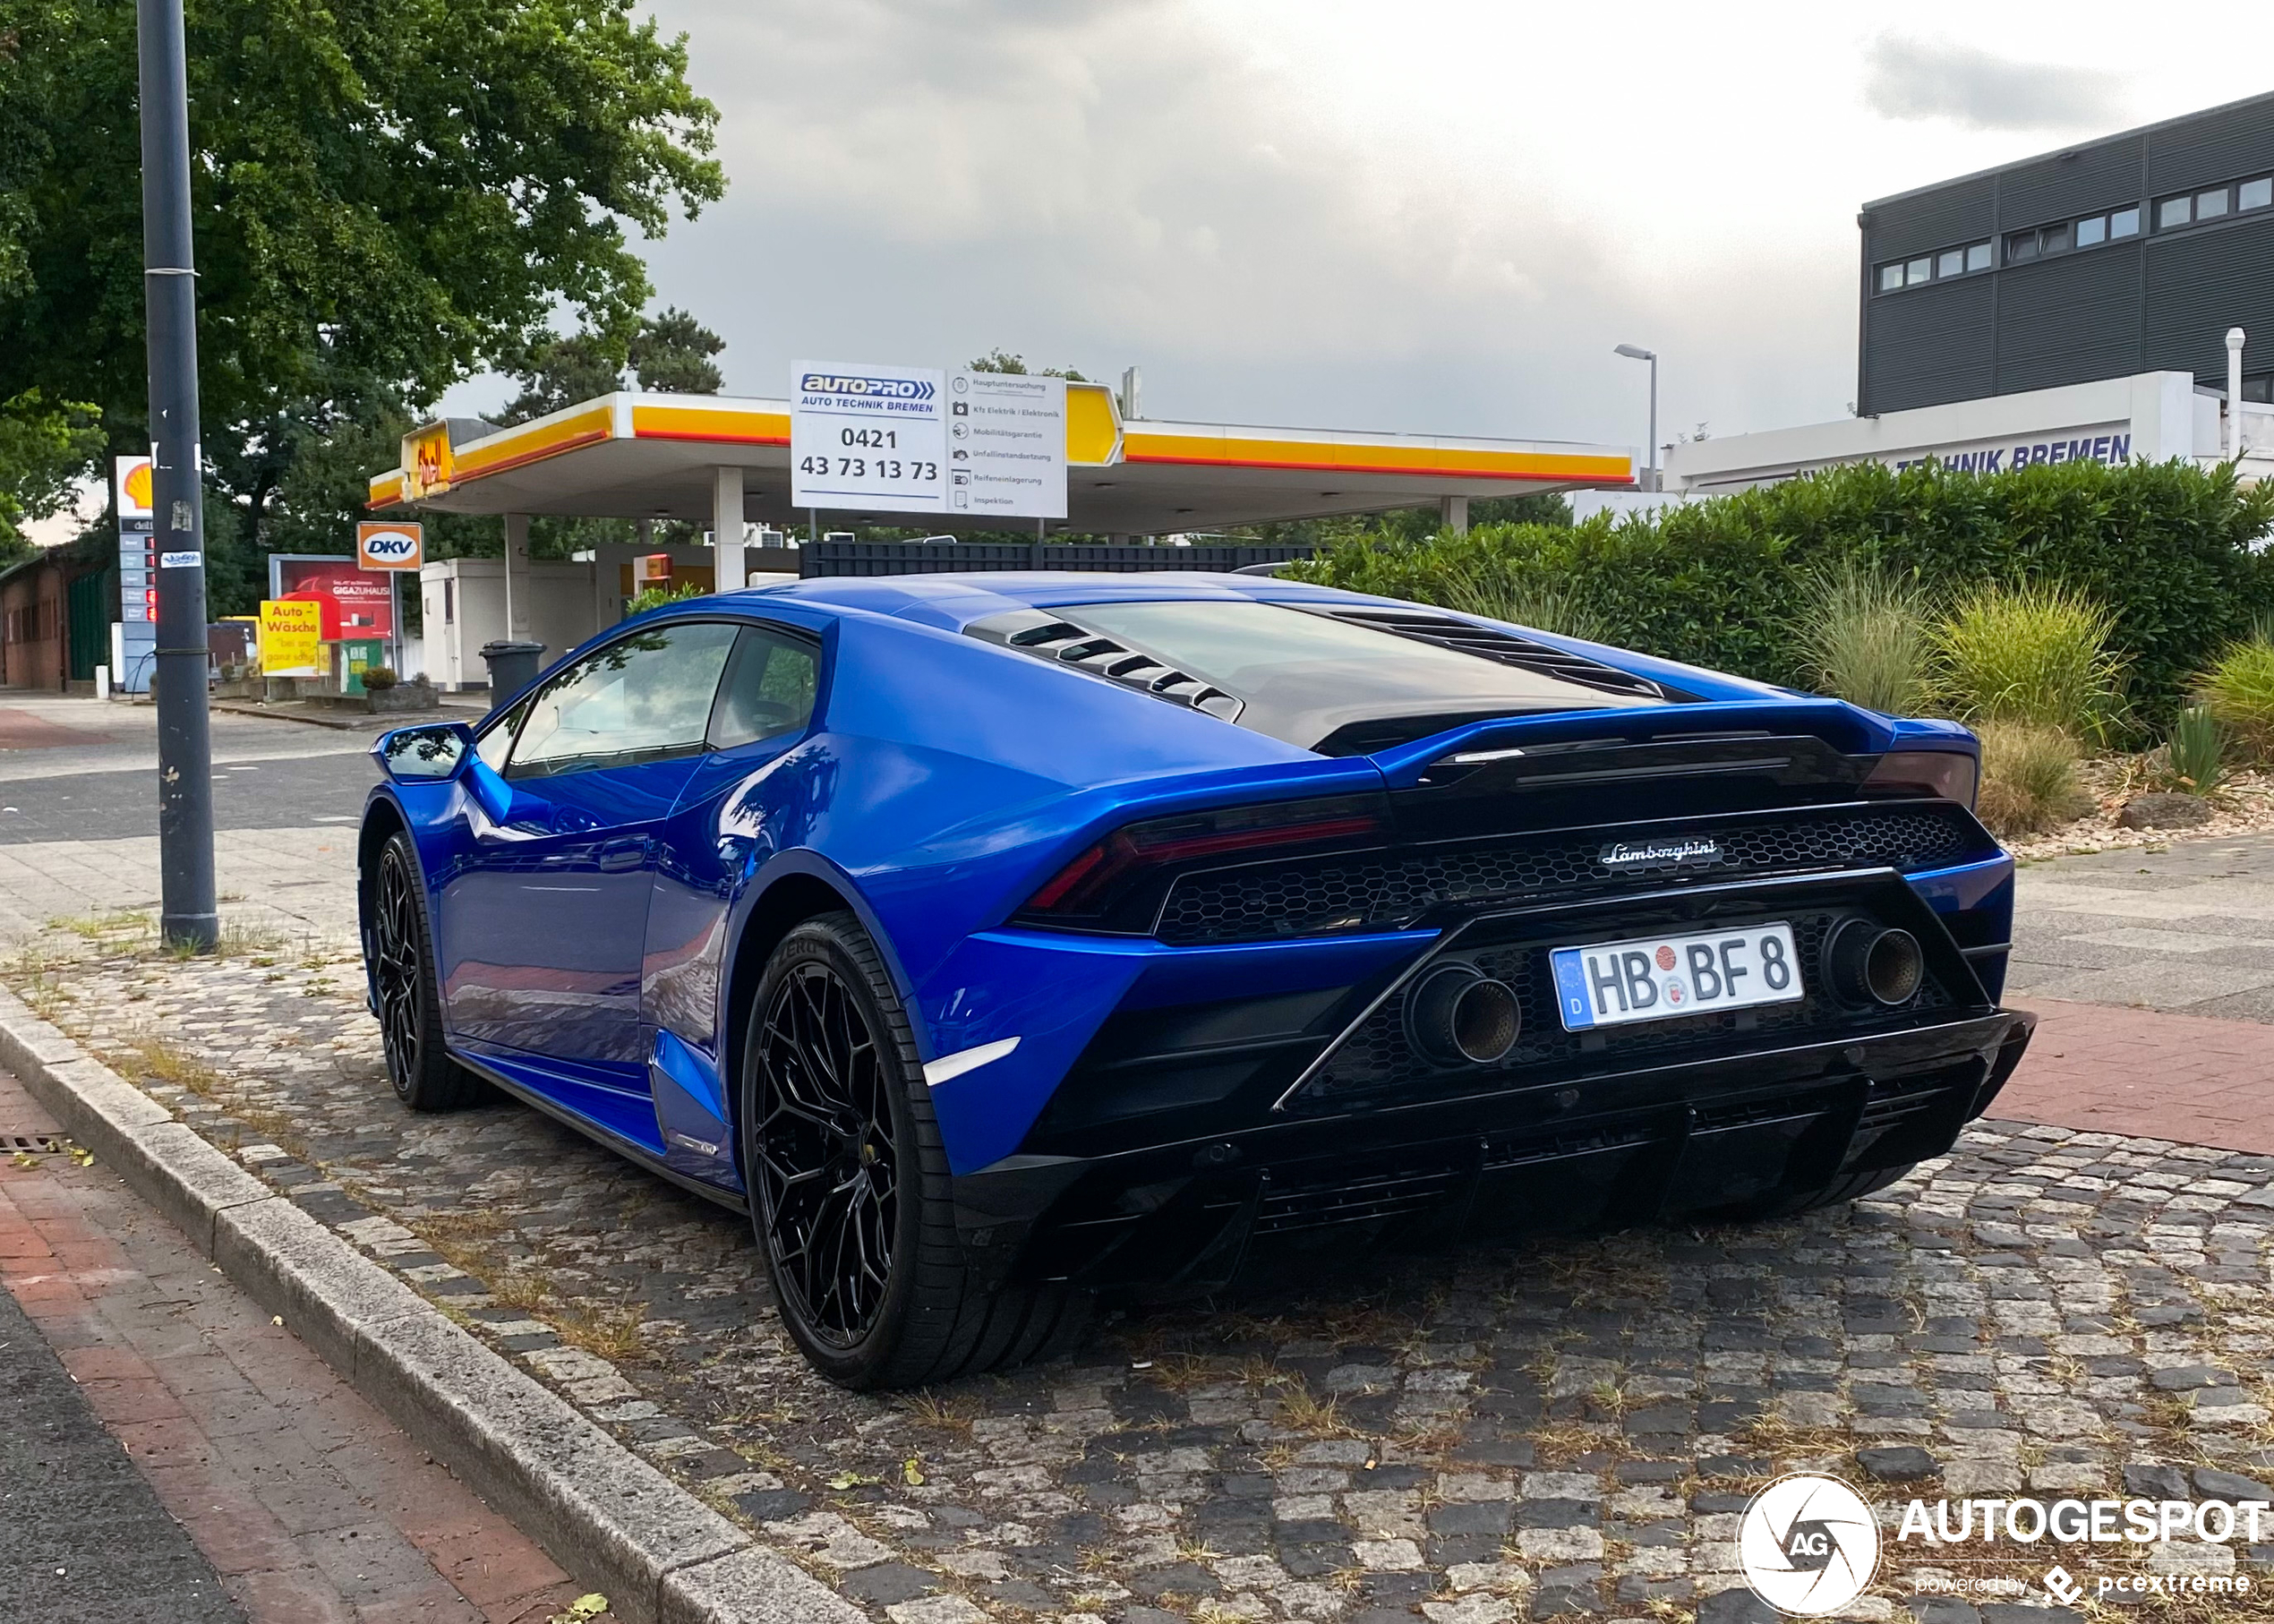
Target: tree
{"points": [[43, 448], [1000, 360], [386, 197], [671, 352]]}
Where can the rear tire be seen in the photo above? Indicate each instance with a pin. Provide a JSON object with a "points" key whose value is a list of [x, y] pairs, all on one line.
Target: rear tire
{"points": [[410, 1010], [850, 1190]]}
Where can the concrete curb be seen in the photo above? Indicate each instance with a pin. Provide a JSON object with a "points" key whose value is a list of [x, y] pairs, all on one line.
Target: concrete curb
{"points": [[607, 1516]]}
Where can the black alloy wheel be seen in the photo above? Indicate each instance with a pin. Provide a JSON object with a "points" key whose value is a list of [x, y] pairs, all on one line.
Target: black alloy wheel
{"points": [[850, 1190], [402, 965], [829, 1161]]}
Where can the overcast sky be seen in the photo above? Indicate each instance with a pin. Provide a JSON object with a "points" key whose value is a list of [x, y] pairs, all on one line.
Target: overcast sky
{"points": [[1434, 216]]}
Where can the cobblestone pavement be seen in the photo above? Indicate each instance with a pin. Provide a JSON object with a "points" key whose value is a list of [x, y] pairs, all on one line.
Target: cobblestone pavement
{"points": [[1468, 1436]]}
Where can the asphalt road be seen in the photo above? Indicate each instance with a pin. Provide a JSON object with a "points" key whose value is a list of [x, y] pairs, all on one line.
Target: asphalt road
{"points": [[84, 769], [83, 1535], [121, 801]]}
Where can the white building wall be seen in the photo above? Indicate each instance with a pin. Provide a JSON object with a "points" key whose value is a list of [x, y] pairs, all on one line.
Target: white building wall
{"points": [[2150, 415]]}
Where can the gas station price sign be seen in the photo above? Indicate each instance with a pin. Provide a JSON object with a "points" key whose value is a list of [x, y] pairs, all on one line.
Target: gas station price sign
{"points": [[868, 437]]}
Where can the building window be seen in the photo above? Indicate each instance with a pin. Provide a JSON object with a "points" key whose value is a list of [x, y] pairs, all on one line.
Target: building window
{"points": [[2092, 231], [1938, 266], [2125, 223], [450, 601], [2257, 194], [2210, 205], [2174, 212], [2021, 245]]}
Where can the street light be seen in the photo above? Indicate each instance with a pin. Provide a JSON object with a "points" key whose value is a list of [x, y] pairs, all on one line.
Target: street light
{"points": [[1634, 351]]}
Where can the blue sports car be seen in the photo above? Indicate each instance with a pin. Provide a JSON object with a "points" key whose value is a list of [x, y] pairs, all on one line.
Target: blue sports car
{"points": [[996, 939]]}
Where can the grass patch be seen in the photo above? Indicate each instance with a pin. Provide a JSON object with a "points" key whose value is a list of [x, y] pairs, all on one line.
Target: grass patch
{"points": [[1865, 637], [2038, 656], [2028, 779]]}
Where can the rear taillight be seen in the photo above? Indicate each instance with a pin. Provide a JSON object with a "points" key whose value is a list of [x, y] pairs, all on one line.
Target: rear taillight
{"points": [[1949, 774], [1117, 883]]}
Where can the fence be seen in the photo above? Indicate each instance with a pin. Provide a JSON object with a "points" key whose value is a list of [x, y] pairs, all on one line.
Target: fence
{"points": [[937, 558]]}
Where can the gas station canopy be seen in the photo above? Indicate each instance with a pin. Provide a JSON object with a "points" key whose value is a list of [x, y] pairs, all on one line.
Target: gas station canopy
{"points": [[636, 456]]}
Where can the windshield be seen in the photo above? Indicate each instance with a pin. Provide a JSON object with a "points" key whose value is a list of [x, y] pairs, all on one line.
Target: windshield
{"points": [[1306, 676]]}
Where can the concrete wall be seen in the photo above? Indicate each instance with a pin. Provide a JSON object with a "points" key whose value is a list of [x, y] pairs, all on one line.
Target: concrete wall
{"points": [[2150, 415], [462, 601]]}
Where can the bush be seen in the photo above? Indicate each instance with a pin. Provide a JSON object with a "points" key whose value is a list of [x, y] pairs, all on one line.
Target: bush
{"points": [[2165, 548], [2028, 779], [2035, 655], [656, 597], [1864, 636], [2195, 753], [2238, 690], [378, 678]]}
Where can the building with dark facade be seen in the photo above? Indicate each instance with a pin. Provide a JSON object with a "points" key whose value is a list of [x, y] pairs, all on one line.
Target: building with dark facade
{"points": [[2128, 255]]}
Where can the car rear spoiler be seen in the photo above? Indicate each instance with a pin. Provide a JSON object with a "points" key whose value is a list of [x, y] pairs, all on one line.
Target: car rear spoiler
{"points": [[1844, 727]]}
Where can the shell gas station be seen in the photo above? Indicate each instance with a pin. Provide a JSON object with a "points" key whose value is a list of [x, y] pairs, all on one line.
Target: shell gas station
{"points": [[1148, 488]]}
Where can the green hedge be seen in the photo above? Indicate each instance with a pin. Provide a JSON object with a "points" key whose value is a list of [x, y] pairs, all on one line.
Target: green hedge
{"points": [[2168, 547]]}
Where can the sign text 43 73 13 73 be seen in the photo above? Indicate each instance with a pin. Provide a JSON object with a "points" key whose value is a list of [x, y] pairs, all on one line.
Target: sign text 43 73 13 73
{"points": [[867, 438]]}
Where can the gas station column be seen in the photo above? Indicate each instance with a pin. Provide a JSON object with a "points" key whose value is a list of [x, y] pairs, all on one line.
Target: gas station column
{"points": [[729, 569], [517, 578], [1454, 511]]}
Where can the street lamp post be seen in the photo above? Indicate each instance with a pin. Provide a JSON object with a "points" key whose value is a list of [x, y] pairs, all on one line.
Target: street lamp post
{"points": [[187, 914], [1633, 351]]}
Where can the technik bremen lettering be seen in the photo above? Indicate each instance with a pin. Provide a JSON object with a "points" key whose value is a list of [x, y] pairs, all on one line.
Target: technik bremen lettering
{"points": [[2103, 448]]}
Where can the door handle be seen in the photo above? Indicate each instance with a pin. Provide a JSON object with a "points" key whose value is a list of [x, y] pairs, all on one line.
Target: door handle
{"points": [[619, 856]]}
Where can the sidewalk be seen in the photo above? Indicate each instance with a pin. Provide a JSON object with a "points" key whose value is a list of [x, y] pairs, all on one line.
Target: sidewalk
{"points": [[2142, 1073], [310, 1505]]}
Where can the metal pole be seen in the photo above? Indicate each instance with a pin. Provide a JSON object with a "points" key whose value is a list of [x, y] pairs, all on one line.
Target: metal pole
{"points": [[1653, 420], [2235, 339], [187, 916]]}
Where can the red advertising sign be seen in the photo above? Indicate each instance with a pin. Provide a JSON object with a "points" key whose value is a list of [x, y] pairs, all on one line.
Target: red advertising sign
{"points": [[356, 603]]}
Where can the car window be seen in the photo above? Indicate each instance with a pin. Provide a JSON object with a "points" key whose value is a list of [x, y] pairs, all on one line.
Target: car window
{"points": [[768, 691], [644, 697], [497, 740]]}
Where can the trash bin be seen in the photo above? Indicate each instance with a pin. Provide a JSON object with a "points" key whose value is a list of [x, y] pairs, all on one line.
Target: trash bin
{"points": [[513, 666]]}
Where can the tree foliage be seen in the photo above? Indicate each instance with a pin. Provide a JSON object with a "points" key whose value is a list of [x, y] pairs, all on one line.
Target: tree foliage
{"points": [[386, 197], [43, 447]]}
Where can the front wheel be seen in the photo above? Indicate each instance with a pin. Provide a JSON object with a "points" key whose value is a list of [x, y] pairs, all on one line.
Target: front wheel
{"points": [[410, 1011], [850, 1190]]}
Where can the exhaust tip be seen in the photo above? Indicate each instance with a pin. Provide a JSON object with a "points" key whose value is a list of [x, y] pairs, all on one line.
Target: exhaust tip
{"points": [[1461, 1016], [1868, 964]]}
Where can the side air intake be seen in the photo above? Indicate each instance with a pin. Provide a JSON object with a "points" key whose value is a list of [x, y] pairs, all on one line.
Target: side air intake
{"points": [[1047, 638]]}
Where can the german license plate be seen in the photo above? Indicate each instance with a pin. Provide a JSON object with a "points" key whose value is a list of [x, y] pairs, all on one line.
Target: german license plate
{"points": [[1660, 978]]}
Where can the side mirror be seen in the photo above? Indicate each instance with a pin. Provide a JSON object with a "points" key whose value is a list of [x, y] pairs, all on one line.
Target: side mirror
{"points": [[506, 806], [426, 754]]}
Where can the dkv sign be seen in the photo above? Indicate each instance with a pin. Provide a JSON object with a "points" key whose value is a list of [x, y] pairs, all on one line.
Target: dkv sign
{"points": [[381, 544]]}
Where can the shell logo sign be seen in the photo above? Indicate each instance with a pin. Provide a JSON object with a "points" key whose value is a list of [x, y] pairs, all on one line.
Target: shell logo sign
{"points": [[387, 544], [427, 466], [134, 476]]}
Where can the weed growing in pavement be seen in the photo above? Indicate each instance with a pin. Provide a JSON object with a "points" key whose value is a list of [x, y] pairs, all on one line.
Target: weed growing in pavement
{"points": [[946, 1413], [1302, 1411]]}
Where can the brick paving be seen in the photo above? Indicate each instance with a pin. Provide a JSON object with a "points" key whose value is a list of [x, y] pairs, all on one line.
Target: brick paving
{"points": [[310, 1505], [2118, 1070], [1471, 1437]]}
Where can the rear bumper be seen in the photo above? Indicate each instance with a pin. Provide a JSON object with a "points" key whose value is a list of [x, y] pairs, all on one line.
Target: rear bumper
{"points": [[1633, 1144]]}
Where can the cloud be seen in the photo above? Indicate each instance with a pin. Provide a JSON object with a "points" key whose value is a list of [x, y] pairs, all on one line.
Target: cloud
{"points": [[1914, 80], [1118, 182]]}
